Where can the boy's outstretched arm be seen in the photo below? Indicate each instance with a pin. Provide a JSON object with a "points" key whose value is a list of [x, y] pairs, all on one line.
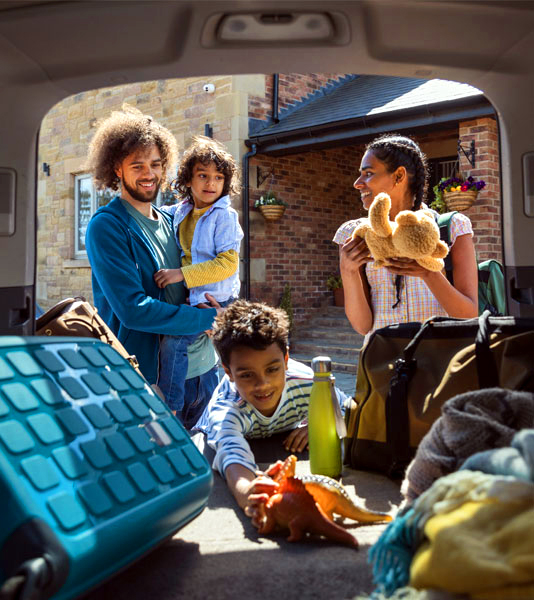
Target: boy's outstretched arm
{"points": [[243, 483]]}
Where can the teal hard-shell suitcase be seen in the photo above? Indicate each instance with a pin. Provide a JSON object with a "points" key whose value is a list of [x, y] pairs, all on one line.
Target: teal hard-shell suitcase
{"points": [[95, 470]]}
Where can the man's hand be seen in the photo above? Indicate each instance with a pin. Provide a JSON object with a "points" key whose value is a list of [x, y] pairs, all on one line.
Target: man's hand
{"points": [[212, 304], [165, 276], [297, 440]]}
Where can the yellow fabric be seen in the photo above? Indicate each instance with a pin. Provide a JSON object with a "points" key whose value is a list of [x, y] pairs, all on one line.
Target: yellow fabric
{"points": [[482, 548], [221, 267]]}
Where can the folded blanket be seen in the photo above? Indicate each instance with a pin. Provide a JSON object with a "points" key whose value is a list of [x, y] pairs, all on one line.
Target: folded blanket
{"points": [[483, 548], [470, 423], [516, 460], [392, 554]]}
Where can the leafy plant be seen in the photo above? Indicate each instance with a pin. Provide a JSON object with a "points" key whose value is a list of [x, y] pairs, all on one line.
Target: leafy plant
{"points": [[438, 204], [287, 304], [269, 199], [334, 282]]}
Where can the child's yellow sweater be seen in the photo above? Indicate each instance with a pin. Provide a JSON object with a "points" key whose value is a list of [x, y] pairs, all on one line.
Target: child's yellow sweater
{"points": [[222, 266]]}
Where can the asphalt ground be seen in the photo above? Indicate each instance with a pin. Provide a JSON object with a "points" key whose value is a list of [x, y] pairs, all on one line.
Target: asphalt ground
{"points": [[220, 555]]}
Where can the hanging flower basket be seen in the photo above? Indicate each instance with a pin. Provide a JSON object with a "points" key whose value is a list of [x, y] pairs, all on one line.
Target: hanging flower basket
{"points": [[272, 212], [460, 200]]}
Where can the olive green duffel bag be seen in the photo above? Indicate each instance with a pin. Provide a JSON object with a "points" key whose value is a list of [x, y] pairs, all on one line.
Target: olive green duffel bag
{"points": [[408, 371]]}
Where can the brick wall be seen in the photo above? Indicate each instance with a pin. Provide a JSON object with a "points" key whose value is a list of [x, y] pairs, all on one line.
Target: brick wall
{"points": [[292, 87], [298, 249], [485, 214], [318, 188]]}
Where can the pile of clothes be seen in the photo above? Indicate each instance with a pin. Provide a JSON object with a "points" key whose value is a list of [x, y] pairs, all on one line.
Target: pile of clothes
{"points": [[467, 523]]}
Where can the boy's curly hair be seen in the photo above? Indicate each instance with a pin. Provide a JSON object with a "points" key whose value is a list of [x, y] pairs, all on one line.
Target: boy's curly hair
{"points": [[122, 133], [206, 150], [251, 324]]}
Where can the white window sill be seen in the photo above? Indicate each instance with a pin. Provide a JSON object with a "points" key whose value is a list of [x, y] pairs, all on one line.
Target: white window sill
{"points": [[77, 263]]}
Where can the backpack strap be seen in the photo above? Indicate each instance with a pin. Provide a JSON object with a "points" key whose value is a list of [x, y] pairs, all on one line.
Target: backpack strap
{"points": [[444, 223]]}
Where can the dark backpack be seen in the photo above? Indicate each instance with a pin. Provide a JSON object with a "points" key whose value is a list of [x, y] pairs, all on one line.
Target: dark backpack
{"points": [[491, 289]]}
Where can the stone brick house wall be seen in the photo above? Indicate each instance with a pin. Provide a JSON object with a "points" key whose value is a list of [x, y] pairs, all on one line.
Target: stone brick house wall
{"points": [[180, 104]]}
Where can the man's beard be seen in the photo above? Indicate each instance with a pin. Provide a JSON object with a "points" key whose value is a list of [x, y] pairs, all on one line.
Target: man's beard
{"points": [[139, 196]]}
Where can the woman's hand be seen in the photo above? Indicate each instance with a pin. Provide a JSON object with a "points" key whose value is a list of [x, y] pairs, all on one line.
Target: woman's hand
{"points": [[297, 440], [352, 255], [407, 266]]}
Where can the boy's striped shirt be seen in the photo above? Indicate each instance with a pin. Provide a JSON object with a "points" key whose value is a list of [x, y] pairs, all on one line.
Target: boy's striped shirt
{"points": [[228, 419]]}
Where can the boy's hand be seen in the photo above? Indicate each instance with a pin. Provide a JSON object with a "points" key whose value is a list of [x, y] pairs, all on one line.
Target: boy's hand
{"points": [[165, 276], [260, 489], [297, 440]]}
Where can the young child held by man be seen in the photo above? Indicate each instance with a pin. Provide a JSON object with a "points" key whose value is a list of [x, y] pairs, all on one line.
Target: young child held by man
{"points": [[208, 235], [263, 392]]}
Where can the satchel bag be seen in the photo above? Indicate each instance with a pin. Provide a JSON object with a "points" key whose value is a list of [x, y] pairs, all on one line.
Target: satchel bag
{"points": [[76, 317], [408, 371]]}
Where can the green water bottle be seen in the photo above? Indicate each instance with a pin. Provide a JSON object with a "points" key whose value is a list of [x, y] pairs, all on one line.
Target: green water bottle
{"points": [[325, 423]]}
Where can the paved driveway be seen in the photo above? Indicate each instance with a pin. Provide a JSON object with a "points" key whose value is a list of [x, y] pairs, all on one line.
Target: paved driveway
{"points": [[220, 554]]}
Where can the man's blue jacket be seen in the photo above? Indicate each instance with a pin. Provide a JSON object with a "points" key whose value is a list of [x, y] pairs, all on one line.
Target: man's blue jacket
{"points": [[123, 264]]}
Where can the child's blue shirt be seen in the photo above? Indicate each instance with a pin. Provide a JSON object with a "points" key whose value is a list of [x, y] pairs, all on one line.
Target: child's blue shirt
{"points": [[217, 230]]}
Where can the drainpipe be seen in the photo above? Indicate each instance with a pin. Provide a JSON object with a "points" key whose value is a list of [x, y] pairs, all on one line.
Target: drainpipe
{"points": [[246, 221], [276, 78]]}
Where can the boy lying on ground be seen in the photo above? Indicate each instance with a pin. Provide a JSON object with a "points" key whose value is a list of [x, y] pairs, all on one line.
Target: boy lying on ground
{"points": [[262, 393]]}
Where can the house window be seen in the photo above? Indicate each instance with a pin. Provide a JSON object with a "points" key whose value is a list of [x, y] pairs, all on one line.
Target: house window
{"points": [[87, 200]]}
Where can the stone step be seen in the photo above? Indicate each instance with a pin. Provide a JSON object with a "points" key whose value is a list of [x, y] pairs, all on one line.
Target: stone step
{"points": [[312, 347], [338, 334], [329, 321]]}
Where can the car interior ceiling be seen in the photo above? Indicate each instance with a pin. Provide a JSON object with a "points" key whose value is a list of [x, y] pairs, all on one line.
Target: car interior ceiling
{"points": [[53, 49]]}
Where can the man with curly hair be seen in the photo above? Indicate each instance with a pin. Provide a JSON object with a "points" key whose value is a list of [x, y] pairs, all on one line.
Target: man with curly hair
{"points": [[208, 235], [264, 392], [130, 239]]}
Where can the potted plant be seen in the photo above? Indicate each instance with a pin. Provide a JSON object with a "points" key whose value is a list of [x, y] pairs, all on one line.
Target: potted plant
{"points": [[271, 207], [335, 283], [456, 193]]}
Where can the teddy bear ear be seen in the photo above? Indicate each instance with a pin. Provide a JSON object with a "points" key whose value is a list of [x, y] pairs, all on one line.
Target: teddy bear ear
{"points": [[441, 250]]}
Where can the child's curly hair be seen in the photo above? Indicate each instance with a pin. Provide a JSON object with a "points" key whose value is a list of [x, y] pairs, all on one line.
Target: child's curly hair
{"points": [[122, 133], [251, 324], [206, 150]]}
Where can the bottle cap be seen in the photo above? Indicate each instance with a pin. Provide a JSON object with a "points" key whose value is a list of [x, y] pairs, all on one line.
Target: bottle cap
{"points": [[321, 364]]}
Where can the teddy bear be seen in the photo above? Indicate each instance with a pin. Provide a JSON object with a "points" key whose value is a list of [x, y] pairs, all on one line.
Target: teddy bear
{"points": [[413, 234]]}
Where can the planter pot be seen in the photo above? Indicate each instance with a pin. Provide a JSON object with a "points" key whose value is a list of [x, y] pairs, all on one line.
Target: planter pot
{"points": [[339, 297], [272, 212], [460, 200]]}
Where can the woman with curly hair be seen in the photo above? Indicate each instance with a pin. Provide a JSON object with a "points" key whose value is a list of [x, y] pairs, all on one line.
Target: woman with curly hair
{"points": [[209, 236], [403, 291], [130, 239]]}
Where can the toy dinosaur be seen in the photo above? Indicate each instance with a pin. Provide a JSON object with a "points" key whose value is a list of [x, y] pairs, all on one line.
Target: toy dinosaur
{"points": [[331, 496], [292, 507], [413, 234], [307, 503]]}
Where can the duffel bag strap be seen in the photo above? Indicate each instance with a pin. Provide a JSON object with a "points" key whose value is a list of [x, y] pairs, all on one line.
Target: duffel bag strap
{"points": [[488, 374], [397, 418]]}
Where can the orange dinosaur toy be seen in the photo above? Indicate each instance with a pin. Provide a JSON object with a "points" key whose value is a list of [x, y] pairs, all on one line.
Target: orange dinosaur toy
{"points": [[307, 503], [292, 507]]}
